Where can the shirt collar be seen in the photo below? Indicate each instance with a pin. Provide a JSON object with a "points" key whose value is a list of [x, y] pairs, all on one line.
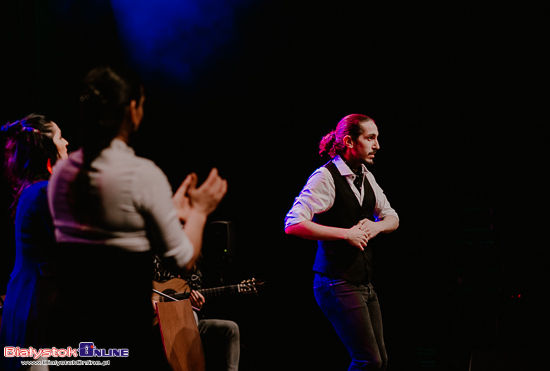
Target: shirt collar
{"points": [[120, 145], [343, 168], [77, 156]]}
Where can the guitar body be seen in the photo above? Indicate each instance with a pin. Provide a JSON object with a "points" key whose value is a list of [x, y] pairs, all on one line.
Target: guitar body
{"points": [[170, 287]]}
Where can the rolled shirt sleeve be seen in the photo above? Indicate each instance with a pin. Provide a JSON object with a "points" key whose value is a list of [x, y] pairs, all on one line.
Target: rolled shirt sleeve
{"points": [[316, 197], [382, 209]]}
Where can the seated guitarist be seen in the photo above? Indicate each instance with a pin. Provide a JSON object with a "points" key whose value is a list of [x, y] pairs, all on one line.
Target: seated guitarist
{"points": [[220, 338]]}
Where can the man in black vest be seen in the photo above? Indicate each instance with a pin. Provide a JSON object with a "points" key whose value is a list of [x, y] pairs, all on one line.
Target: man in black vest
{"points": [[343, 208]]}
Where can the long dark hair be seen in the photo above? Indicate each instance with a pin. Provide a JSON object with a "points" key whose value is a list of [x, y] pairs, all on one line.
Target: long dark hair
{"points": [[333, 143], [104, 102], [28, 146]]}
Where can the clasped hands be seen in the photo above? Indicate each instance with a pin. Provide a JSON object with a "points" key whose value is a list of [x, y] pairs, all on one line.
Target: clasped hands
{"points": [[360, 234]]}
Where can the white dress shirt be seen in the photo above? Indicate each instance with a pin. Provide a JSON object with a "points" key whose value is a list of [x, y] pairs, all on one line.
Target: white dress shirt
{"points": [[318, 194], [135, 199]]}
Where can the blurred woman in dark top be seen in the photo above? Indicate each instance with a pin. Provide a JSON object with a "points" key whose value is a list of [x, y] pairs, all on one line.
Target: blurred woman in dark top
{"points": [[31, 146]]}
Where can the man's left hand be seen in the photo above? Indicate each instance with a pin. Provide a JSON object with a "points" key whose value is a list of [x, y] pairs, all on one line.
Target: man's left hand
{"points": [[371, 228]]}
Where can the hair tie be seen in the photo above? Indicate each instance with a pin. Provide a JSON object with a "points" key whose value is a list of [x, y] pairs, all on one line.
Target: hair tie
{"points": [[97, 93], [30, 130], [26, 128]]}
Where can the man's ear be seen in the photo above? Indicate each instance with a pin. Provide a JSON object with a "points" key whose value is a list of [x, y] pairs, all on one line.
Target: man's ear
{"points": [[348, 142]]}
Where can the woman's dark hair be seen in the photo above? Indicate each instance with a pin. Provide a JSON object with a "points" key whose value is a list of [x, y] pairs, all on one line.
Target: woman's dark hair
{"points": [[28, 146], [104, 102], [333, 143]]}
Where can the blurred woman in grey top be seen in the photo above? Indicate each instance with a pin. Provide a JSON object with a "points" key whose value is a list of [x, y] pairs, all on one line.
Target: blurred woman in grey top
{"points": [[111, 210]]}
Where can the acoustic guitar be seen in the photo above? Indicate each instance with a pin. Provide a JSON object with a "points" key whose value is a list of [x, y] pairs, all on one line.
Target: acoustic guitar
{"points": [[179, 332], [178, 289]]}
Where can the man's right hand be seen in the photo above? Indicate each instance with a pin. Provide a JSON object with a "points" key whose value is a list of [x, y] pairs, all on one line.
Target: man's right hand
{"points": [[357, 237]]}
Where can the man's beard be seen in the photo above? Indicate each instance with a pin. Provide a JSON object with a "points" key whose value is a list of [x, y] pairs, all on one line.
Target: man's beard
{"points": [[370, 161]]}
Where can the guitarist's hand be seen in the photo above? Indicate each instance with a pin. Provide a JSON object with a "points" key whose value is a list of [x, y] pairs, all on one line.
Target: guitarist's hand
{"points": [[197, 300]]}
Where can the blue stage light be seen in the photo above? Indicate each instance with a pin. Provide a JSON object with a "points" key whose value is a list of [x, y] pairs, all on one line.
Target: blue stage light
{"points": [[175, 40]]}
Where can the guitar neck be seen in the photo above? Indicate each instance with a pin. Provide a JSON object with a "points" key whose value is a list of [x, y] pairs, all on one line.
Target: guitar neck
{"points": [[220, 291]]}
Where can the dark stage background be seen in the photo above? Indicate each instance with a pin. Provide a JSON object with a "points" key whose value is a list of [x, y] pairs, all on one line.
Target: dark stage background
{"points": [[460, 96]]}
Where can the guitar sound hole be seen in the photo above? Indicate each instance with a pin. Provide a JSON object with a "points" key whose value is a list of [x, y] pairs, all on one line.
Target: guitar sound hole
{"points": [[168, 292]]}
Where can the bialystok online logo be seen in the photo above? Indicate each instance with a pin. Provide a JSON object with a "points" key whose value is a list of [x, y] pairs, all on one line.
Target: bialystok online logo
{"points": [[87, 349]]}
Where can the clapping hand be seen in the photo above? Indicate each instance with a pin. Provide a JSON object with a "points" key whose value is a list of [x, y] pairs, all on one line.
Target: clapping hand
{"points": [[203, 199]]}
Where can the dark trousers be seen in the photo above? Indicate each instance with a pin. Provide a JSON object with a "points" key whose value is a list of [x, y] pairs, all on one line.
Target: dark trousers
{"points": [[354, 313]]}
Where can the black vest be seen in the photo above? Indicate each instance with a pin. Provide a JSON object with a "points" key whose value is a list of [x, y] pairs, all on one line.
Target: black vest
{"points": [[338, 258]]}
